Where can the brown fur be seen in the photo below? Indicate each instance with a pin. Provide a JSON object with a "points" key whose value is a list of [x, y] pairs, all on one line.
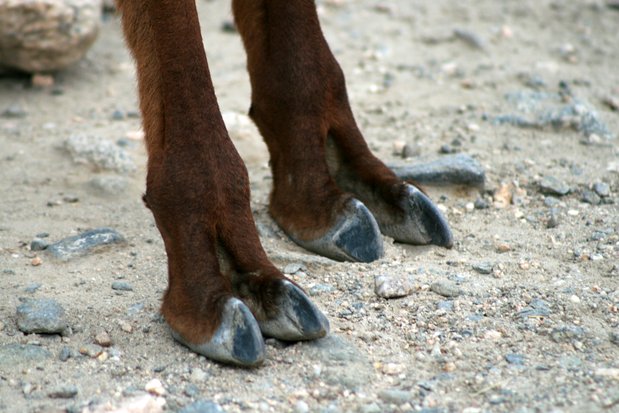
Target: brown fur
{"points": [[197, 185]]}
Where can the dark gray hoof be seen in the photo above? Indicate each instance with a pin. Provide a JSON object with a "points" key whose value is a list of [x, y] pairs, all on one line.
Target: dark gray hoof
{"points": [[354, 237], [237, 341], [298, 318], [422, 224]]}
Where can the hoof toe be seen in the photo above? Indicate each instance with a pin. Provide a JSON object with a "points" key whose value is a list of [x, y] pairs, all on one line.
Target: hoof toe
{"points": [[298, 318], [423, 222], [237, 341], [354, 237]]}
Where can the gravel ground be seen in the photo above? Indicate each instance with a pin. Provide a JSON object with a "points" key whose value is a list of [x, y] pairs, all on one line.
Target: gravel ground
{"points": [[522, 315]]}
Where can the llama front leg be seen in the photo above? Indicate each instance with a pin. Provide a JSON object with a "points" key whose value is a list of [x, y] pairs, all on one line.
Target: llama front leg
{"points": [[324, 175], [223, 293]]}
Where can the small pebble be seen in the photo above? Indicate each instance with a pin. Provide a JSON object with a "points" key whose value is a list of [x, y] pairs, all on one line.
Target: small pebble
{"points": [[513, 358], [301, 407], [198, 375], [121, 286], [602, 189], [395, 396], [103, 339], [66, 391], [38, 244], [590, 197], [91, 350], [36, 261], [388, 286], [550, 185], [484, 267], [553, 221], [503, 247], [155, 387], [65, 353], [481, 203], [202, 406], [446, 289]]}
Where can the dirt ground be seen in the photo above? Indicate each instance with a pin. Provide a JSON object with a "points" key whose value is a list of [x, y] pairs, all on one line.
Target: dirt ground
{"points": [[530, 321]]}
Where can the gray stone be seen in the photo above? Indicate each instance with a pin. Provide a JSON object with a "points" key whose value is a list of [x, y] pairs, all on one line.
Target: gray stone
{"points": [[100, 153], [389, 286], [614, 337], [15, 354], [84, 243], [550, 185], [65, 353], [517, 359], [33, 287], [321, 289], [446, 289], [38, 244], [536, 308], [122, 286], [460, 169], [602, 189], [446, 305], [294, 267], [47, 35], [566, 334], [483, 267], [41, 315], [395, 396], [65, 391], [202, 406], [590, 197]]}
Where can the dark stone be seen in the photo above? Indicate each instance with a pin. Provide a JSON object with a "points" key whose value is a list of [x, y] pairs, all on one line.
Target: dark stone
{"points": [[517, 359], [32, 288], [536, 308], [65, 354], [460, 169], [567, 334], [550, 185], [602, 189], [481, 203], [122, 286], [590, 197], [84, 243], [38, 244], [41, 315], [483, 267], [66, 391]]}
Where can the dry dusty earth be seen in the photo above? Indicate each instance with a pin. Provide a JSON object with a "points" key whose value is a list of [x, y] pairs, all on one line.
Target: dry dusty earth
{"points": [[525, 315]]}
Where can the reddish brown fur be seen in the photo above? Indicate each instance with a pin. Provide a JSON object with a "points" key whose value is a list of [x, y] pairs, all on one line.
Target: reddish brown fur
{"points": [[197, 185]]}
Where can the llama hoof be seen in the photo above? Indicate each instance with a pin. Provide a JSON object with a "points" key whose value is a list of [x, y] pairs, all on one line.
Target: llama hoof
{"points": [[354, 237], [298, 318], [423, 222], [237, 341]]}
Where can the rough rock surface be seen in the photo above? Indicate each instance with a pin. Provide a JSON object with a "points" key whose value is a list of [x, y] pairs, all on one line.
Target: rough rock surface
{"points": [[46, 35]]}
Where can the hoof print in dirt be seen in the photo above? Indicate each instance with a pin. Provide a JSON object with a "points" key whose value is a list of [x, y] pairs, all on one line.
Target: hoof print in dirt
{"points": [[354, 237], [298, 318], [237, 341]]}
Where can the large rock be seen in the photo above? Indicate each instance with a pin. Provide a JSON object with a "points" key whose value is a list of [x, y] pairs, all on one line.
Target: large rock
{"points": [[46, 35]]}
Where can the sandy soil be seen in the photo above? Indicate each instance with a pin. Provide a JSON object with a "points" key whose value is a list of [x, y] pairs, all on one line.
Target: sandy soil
{"points": [[538, 332]]}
